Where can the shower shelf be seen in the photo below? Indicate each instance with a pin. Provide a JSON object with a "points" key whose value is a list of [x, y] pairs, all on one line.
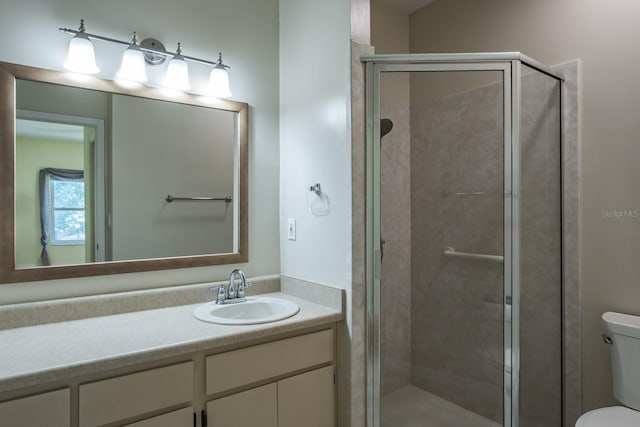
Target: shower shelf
{"points": [[452, 253]]}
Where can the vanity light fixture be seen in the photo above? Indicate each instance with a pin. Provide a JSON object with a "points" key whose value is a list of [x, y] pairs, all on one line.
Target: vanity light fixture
{"points": [[219, 80], [133, 67], [81, 59], [177, 76]]}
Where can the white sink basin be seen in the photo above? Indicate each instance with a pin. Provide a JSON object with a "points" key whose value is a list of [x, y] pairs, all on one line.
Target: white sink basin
{"points": [[253, 311]]}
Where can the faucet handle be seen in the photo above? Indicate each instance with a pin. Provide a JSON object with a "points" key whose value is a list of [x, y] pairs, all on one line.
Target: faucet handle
{"points": [[222, 295], [240, 293], [232, 290]]}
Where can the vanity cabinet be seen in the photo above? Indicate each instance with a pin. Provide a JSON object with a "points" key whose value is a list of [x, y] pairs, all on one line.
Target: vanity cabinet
{"points": [[51, 409], [288, 382], [300, 387]]}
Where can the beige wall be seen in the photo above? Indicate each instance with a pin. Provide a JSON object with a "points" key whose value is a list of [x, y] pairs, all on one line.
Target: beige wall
{"points": [[603, 36], [389, 28]]}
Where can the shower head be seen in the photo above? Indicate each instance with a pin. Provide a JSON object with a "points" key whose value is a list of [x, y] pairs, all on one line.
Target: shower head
{"points": [[385, 126]]}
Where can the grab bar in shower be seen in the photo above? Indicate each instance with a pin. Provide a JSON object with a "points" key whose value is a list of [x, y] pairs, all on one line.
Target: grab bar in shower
{"points": [[467, 193], [452, 252]]}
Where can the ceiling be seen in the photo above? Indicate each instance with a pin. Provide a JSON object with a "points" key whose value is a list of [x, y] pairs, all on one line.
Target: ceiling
{"points": [[50, 131], [408, 6]]}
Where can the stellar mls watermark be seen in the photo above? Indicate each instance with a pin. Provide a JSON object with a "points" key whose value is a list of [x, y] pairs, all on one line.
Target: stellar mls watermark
{"points": [[623, 213]]}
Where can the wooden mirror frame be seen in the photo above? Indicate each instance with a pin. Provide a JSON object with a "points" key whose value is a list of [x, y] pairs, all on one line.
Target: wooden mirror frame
{"points": [[9, 73]]}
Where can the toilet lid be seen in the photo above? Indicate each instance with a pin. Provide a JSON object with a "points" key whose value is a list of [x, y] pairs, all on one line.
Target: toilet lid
{"points": [[617, 416]]}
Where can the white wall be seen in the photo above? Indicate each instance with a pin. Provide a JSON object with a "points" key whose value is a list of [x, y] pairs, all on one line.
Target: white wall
{"points": [[315, 138], [604, 36], [246, 31]]}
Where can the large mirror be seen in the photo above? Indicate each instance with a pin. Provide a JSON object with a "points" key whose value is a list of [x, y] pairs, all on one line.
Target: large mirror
{"points": [[97, 178]]}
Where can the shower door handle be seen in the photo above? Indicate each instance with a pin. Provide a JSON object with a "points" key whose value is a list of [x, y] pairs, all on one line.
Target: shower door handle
{"points": [[382, 242]]}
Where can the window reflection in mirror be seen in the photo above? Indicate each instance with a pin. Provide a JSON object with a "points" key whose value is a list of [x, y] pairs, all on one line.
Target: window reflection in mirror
{"points": [[67, 214]]}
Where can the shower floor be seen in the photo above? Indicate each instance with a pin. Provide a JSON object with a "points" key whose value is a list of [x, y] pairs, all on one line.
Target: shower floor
{"points": [[411, 406]]}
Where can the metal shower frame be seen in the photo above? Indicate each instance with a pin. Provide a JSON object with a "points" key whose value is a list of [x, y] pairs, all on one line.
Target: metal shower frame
{"points": [[510, 64]]}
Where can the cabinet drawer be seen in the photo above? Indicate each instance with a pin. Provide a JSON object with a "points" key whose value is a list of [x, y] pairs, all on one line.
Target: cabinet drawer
{"points": [[248, 365], [181, 418], [47, 409], [127, 396]]}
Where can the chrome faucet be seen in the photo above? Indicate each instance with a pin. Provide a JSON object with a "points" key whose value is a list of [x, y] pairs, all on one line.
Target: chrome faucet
{"points": [[233, 295]]}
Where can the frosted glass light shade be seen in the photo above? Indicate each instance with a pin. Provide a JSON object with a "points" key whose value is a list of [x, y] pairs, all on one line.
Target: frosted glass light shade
{"points": [[81, 57], [219, 83], [177, 74], [133, 66]]}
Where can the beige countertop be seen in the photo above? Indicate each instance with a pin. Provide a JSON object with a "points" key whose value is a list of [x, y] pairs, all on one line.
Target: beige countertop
{"points": [[45, 353]]}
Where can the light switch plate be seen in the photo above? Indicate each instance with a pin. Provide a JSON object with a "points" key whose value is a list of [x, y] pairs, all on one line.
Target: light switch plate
{"points": [[291, 229]]}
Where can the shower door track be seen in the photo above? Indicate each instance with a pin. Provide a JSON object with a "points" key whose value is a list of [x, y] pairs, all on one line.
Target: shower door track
{"points": [[510, 64]]}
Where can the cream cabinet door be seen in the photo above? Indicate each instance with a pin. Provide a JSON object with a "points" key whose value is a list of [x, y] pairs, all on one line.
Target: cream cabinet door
{"points": [[180, 418], [257, 407], [48, 409], [308, 399]]}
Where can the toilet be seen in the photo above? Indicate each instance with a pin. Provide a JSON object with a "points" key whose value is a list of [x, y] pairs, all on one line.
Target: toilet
{"points": [[623, 334]]}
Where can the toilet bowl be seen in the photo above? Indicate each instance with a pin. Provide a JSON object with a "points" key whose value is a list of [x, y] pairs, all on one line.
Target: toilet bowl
{"points": [[623, 335], [615, 416]]}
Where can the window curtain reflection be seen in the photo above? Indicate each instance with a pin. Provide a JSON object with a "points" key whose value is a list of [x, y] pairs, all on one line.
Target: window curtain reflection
{"points": [[45, 208]]}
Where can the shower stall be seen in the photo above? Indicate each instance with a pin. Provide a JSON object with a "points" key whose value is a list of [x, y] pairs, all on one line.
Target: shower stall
{"points": [[464, 241]]}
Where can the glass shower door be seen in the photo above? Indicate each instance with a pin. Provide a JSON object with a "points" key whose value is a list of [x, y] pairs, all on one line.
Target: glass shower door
{"points": [[442, 216], [540, 287]]}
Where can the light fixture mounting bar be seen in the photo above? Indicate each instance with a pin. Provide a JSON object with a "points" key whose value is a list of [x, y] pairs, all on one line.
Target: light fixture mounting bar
{"points": [[144, 49]]}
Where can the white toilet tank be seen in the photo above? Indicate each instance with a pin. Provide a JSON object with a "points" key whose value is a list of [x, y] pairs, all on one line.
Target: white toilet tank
{"points": [[624, 331]]}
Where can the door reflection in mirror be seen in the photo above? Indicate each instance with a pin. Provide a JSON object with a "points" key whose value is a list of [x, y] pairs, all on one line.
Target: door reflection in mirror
{"points": [[56, 189]]}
